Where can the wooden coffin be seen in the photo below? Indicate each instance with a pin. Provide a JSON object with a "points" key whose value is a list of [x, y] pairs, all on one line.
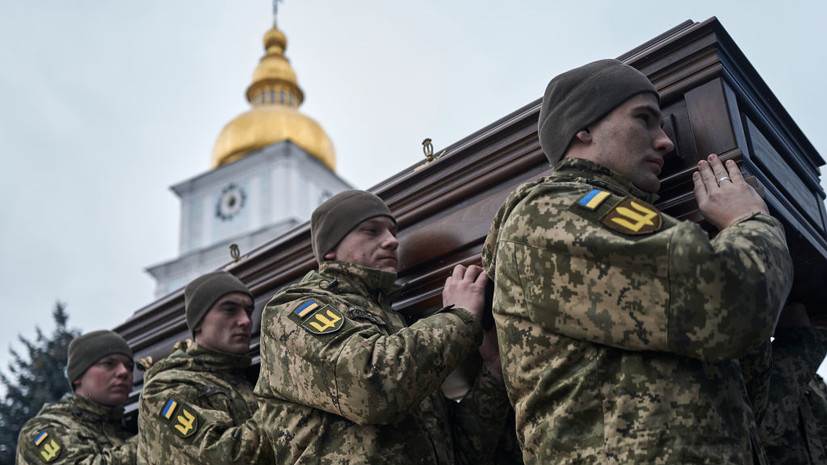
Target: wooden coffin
{"points": [[713, 101]]}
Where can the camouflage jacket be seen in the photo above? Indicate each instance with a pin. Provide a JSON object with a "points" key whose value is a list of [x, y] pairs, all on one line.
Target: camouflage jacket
{"points": [[196, 408], [793, 429], [344, 379], [74, 431], [619, 326]]}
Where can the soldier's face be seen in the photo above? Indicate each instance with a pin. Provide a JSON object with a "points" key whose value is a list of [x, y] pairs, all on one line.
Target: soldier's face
{"points": [[373, 244], [631, 141], [108, 381], [226, 326]]}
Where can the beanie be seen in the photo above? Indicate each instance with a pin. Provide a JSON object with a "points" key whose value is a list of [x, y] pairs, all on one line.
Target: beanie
{"points": [[582, 96], [85, 350], [204, 291], [337, 216]]}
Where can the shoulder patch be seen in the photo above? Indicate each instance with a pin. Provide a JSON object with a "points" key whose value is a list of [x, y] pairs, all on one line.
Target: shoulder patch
{"points": [[323, 320], [48, 446], [593, 199], [182, 419], [633, 217]]}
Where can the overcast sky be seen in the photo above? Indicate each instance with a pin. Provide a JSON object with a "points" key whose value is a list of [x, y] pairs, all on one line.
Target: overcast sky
{"points": [[105, 104]]}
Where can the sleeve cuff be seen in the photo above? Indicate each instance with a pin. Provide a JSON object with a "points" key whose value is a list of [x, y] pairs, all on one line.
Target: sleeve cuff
{"points": [[467, 318]]}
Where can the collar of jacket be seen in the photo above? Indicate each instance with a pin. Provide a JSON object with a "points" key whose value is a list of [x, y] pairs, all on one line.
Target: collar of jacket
{"points": [[194, 357], [83, 407], [589, 172], [359, 279], [217, 360]]}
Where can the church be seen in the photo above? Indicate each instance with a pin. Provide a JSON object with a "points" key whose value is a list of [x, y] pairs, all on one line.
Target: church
{"points": [[271, 166], [266, 162]]}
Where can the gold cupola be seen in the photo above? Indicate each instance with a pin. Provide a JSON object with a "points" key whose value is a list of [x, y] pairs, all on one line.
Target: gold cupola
{"points": [[275, 97]]}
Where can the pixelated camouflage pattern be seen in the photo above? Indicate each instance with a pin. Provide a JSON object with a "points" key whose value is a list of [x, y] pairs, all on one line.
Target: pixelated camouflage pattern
{"points": [[508, 448], [623, 349], [793, 428], [89, 434], [817, 417], [368, 393], [484, 410], [212, 384], [756, 369]]}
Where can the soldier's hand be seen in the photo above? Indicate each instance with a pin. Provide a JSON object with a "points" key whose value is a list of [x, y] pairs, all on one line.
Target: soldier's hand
{"points": [[465, 288], [723, 195]]}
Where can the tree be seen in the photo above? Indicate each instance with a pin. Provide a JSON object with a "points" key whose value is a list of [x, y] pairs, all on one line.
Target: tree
{"points": [[33, 380]]}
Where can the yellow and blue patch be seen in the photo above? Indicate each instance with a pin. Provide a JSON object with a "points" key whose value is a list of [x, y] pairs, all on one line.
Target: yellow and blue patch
{"points": [[593, 199], [318, 318], [49, 447], [169, 408], [182, 419], [40, 437], [306, 308]]}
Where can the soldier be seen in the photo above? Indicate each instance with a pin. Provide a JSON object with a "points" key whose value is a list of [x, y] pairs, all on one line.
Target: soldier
{"points": [[345, 379], [87, 426], [794, 428], [619, 326], [196, 406]]}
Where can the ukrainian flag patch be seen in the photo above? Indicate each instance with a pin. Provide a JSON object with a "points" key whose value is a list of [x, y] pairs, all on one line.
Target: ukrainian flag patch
{"points": [[593, 199], [306, 308], [48, 447], [181, 419], [169, 409], [40, 437]]}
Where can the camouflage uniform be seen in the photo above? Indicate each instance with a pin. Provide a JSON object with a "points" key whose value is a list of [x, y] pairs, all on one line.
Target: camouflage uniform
{"points": [[621, 347], [793, 429], [344, 379], [817, 417], [74, 431], [196, 407]]}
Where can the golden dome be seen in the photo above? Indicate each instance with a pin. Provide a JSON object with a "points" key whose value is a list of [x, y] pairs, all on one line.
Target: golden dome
{"points": [[275, 96], [267, 124]]}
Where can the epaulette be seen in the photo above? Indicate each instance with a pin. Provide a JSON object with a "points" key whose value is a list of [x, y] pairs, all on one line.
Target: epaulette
{"points": [[145, 363], [183, 345]]}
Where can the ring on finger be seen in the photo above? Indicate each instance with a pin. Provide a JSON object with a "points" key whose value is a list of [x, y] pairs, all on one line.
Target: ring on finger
{"points": [[722, 179]]}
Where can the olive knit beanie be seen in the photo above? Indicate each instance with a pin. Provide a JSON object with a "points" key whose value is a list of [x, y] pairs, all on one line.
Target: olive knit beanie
{"points": [[337, 216], [582, 96], [204, 291], [85, 350]]}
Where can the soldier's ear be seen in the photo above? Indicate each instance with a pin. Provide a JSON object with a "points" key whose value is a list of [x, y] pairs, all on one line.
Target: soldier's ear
{"points": [[330, 255], [584, 135]]}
